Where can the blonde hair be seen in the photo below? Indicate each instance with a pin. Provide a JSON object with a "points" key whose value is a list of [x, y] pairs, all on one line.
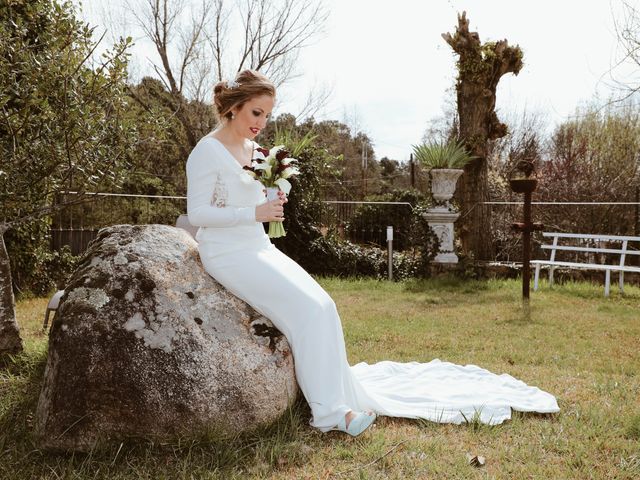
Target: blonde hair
{"points": [[230, 94]]}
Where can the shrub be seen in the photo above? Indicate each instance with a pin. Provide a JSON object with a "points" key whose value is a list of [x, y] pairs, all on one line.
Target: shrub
{"points": [[331, 255], [36, 270], [369, 220]]}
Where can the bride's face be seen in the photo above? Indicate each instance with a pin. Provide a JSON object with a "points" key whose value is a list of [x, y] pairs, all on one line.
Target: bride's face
{"points": [[252, 117]]}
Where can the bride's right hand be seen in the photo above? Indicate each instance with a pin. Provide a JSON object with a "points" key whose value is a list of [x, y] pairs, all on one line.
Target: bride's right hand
{"points": [[272, 211]]}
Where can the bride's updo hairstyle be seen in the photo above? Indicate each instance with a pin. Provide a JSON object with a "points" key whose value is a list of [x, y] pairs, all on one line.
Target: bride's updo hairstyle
{"points": [[229, 94]]}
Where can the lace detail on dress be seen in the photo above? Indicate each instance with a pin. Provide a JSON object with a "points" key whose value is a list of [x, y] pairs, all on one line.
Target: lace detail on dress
{"points": [[220, 193]]}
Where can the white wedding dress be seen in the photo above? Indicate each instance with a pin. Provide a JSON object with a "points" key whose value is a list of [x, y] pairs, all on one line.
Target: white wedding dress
{"points": [[234, 249]]}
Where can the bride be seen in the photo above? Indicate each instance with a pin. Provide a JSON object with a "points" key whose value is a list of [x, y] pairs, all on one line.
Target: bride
{"points": [[229, 206]]}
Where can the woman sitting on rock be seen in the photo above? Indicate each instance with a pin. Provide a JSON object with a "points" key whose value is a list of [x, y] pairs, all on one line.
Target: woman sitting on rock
{"points": [[229, 206]]}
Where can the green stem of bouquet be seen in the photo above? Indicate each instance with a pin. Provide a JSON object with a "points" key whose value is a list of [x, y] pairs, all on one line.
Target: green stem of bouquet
{"points": [[276, 230]]}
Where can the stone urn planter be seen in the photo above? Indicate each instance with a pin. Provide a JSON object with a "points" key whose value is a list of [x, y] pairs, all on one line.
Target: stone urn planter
{"points": [[442, 216], [443, 183], [445, 161]]}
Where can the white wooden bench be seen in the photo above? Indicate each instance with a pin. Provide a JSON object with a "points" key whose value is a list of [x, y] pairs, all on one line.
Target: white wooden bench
{"points": [[591, 244]]}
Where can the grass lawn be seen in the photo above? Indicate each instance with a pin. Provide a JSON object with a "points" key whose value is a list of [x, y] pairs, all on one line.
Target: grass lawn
{"points": [[576, 344]]}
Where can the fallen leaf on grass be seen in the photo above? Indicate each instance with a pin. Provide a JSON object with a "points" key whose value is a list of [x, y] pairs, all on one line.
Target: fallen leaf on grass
{"points": [[476, 460]]}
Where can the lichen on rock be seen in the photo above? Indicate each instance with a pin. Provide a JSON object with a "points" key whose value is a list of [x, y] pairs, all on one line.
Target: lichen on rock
{"points": [[93, 297]]}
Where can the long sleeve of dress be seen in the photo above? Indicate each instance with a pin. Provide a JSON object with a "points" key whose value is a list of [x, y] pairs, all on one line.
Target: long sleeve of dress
{"points": [[207, 193]]}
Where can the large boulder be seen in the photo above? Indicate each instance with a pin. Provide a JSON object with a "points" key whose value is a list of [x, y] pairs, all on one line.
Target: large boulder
{"points": [[146, 344]]}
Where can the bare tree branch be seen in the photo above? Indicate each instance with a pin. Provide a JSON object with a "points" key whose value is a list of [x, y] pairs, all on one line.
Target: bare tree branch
{"points": [[316, 100], [627, 29], [216, 40], [191, 41], [192, 48], [274, 34], [250, 38]]}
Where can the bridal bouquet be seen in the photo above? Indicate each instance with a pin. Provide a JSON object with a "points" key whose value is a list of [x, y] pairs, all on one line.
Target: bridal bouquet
{"points": [[272, 168]]}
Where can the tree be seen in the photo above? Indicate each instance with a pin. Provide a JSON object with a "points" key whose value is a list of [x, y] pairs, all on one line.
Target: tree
{"points": [[628, 33], [164, 142], [594, 158], [525, 141], [344, 179], [63, 124], [480, 67], [389, 171], [193, 50]]}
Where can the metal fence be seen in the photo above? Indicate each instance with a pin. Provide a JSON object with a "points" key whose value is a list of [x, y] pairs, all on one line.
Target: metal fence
{"points": [[77, 239], [360, 222], [606, 218], [76, 226], [366, 222]]}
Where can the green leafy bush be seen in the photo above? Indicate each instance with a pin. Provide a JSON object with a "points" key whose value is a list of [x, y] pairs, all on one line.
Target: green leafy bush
{"points": [[369, 219], [331, 255], [36, 270]]}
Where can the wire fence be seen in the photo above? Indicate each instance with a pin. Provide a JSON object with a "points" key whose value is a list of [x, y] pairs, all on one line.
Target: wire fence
{"points": [[605, 218], [366, 223], [77, 225], [361, 222]]}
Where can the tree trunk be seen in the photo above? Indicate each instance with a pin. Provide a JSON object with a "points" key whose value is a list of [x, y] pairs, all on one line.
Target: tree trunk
{"points": [[10, 341], [480, 67]]}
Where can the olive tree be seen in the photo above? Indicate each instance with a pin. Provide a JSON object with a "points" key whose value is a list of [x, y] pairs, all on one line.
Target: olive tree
{"points": [[62, 122]]}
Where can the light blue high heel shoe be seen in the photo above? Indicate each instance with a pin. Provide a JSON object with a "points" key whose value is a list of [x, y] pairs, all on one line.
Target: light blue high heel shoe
{"points": [[358, 424]]}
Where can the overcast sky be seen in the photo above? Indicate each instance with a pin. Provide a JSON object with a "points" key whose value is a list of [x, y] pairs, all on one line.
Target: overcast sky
{"points": [[388, 65]]}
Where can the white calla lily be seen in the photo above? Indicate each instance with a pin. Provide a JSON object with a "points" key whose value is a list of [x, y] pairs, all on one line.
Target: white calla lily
{"points": [[274, 151], [287, 172], [272, 172], [284, 185]]}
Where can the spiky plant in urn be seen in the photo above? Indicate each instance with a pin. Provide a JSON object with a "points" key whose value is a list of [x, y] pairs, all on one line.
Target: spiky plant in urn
{"points": [[445, 162]]}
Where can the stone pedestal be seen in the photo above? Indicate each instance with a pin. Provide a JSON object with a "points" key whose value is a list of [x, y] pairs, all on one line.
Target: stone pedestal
{"points": [[441, 221]]}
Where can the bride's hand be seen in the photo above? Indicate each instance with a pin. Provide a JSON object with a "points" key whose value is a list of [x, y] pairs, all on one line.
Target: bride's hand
{"points": [[272, 211], [281, 195]]}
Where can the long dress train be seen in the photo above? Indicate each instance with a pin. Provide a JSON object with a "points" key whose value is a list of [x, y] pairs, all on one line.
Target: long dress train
{"points": [[234, 249]]}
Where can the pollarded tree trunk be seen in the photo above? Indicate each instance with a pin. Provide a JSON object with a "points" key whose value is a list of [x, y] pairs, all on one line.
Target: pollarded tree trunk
{"points": [[10, 341], [480, 67]]}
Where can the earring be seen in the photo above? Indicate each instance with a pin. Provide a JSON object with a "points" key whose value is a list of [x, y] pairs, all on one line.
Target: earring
{"points": [[233, 115]]}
